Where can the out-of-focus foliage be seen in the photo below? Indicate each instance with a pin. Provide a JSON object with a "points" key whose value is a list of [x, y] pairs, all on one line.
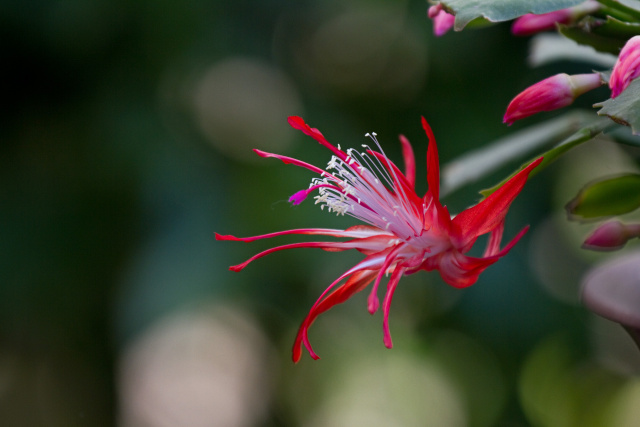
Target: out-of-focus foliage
{"points": [[607, 197]]}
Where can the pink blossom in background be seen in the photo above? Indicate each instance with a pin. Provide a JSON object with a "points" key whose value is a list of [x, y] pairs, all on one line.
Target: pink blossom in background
{"points": [[530, 23], [402, 233], [442, 20], [627, 67], [550, 94], [611, 235]]}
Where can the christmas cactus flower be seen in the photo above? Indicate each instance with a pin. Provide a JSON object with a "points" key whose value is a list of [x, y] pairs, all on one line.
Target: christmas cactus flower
{"points": [[402, 233], [627, 67], [550, 94]]}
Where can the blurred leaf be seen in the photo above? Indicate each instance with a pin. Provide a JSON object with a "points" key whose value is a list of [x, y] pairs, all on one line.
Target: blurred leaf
{"points": [[479, 163], [550, 47], [631, 8], [501, 10], [585, 33], [629, 4], [623, 135], [583, 135], [547, 392], [608, 197], [557, 390], [625, 108]]}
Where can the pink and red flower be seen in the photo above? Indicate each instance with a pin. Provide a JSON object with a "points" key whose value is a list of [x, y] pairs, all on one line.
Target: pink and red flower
{"points": [[402, 233]]}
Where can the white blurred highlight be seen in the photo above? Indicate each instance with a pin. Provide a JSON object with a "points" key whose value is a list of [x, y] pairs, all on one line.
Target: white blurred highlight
{"points": [[402, 391], [196, 369], [243, 103]]}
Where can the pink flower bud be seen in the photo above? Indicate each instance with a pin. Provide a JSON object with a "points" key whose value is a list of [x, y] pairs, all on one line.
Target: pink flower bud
{"points": [[611, 235], [627, 67], [550, 94], [531, 23], [442, 21]]}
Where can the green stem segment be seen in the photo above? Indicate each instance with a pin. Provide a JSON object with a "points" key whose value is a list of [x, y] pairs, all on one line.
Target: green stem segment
{"points": [[620, 11]]}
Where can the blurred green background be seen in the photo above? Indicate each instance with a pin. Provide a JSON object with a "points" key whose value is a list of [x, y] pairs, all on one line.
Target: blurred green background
{"points": [[126, 133]]}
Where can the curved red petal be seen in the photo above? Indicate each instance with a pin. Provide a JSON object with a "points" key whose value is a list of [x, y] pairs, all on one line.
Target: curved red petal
{"points": [[358, 281], [299, 123], [409, 161], [488, 214], [433, 164], [386, 305]]}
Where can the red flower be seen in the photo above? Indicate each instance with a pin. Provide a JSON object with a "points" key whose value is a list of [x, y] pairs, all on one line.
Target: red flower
{"points": [[550, 94], [627, 66], [402, 232]]}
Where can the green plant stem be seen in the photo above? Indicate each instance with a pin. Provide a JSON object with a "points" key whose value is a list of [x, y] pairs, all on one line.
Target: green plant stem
{"points": [[620, 11]]}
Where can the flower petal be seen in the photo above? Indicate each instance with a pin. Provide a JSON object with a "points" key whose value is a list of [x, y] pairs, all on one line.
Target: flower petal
{"points": [[386, 305], [433, 164], [299, 123], [357, 282], [328, 246], [409, 161], [488, 214], [292, 161]]}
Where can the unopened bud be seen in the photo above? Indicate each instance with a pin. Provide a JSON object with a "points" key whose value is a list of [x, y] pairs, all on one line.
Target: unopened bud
{"points": [[442, 21], [530, 23], [611, 235], [627, 66], [550, 94]]}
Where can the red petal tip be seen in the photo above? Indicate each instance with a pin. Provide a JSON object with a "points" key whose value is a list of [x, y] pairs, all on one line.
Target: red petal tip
{"points": [[227, 237], [296, 122], [536, 162]]}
